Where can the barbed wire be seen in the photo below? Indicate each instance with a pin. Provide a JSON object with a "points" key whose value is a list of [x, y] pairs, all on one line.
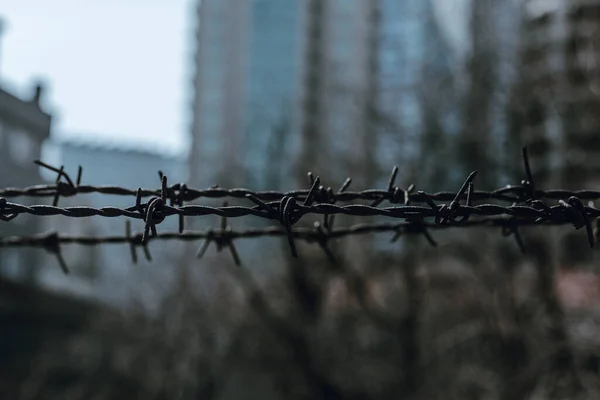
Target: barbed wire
{"points": [[225, 237], [393, 194], [288, 208]]}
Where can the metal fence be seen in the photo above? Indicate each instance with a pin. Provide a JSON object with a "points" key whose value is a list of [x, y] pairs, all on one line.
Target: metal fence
{"points": [[506, 209]]}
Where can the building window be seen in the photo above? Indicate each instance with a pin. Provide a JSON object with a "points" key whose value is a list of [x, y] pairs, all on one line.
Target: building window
{"points": [[21, 147]]}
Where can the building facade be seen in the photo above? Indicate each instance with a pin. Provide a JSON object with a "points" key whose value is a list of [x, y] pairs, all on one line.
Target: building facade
{"points": [[327, 86], [560, 123], [560, 61], [24, 126], [416, 69], [415, 88], [273, 80]]}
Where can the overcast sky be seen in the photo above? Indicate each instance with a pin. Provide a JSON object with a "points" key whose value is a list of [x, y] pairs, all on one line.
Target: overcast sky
{"points": [[116, 69]]}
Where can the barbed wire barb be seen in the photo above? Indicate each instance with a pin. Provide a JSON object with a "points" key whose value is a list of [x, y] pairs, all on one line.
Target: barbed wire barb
{"points": [[67, 188], [178, 201], [323, 242], [390, 188], [529, 190], [222, 238], [448, 214], [132, 249], [329, 220], [52, 245], [578, 215]]}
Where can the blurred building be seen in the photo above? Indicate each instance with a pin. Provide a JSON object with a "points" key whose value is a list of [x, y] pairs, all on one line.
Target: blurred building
{"points": [[24, 125], [283, 88], [561, 91], [417, 104], [543, 61], [416, 71], [340, 103], [107, 272], [275, 83], [560, 58]]}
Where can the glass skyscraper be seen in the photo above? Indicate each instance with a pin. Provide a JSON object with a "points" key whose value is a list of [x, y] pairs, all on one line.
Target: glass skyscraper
{"points": [[246, 86], [254, 73], [283, 87]]}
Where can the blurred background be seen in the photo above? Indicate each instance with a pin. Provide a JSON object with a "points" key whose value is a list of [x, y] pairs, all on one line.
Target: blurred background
{"points": [[255, 94]]}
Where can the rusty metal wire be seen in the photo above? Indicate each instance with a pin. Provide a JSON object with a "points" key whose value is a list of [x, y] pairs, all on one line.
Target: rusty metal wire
{"points": [[418, 210]]}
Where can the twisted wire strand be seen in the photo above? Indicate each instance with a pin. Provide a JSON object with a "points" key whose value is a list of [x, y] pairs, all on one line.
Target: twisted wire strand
{"points": [[512, 193], [179, 193], [288, 208], [303, 233], [559, 213]]}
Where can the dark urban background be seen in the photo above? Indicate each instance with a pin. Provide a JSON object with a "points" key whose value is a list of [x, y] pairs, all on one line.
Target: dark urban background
{"points": [[340, 88]]}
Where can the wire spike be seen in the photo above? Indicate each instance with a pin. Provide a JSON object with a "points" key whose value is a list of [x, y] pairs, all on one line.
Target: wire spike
{"points": [[51, 243], [323, 240], [468, 183], [234, 254], [138, 201], [181, 198], [79, 173], [164, 190], [528, 173], [311, 193], [62, 263], [392, 179], [345, 185], [202, 249], [147, 252], [396, 236], [132, 249]]}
